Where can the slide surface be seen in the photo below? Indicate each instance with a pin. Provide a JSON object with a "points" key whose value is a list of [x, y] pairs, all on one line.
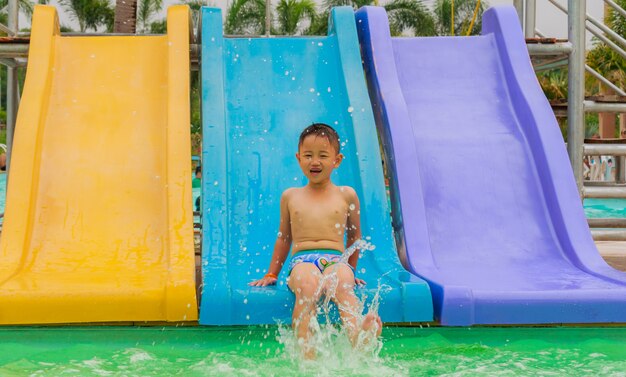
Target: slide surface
{"points": [[258, 95], [482, 188], [98, 225]]}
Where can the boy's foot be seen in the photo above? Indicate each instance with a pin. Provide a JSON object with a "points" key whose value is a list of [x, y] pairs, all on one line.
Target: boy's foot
{"points": [[371, 321]]}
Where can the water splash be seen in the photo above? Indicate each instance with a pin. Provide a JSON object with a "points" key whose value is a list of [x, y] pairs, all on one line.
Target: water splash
{"points": [[331, 342]]}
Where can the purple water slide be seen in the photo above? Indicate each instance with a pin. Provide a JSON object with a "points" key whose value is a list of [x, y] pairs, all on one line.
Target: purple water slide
{"points": [[485, 203]]}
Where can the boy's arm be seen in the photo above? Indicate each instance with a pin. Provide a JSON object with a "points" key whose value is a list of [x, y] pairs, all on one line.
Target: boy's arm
{"points": [[353, 225], [281, 246]]}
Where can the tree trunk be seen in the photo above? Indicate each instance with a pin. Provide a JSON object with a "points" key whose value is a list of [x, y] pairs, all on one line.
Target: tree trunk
{"points": [[125, 16]]}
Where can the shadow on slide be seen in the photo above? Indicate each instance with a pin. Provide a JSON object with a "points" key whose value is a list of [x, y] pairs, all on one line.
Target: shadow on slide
{"points": [[483, 196], [258, 95]]}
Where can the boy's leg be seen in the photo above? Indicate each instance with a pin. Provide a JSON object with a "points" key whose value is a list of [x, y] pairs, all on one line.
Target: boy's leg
{"points": [[339, 285], [305, 281]]}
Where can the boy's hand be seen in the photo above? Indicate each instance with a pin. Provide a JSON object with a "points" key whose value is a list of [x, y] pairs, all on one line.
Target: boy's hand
{"points": [[358, 281], [264, 282]]}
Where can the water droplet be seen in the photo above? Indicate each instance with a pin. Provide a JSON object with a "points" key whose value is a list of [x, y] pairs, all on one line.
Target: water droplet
{"points": [[215, 183], [362, 270], [350, 109], [248, 317], [337, 225], [328, 89], [245, 300], [312, 90], [320, 44], [286, 73], [352, 207]]}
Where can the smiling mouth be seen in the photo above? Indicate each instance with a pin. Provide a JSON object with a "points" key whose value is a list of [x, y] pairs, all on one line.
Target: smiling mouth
{"points": [[315, 171]]}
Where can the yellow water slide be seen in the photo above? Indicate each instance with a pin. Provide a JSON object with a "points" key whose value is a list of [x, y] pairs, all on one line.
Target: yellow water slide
{"points": [[99, 223]]}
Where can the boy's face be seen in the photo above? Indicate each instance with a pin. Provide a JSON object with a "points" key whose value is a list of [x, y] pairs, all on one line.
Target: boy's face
{"points": [[318, 158]]}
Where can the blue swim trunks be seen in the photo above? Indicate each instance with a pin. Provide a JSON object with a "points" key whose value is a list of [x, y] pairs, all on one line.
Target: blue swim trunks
{"points": [[321, 258]]}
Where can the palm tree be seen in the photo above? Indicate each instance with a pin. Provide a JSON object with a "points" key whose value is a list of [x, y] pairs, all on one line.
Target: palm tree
{"points": [[245, 17], [406, 17], [145, 10], [464, 13], [291, 14], [90, 14], [409, 17], [25, 6]]}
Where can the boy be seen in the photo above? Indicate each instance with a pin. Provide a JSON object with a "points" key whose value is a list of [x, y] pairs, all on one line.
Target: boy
{"points": [[314, 218]]}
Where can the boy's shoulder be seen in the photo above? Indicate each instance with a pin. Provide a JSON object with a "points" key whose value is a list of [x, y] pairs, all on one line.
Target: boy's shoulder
{"points": [[290, 192], [347, 191]]}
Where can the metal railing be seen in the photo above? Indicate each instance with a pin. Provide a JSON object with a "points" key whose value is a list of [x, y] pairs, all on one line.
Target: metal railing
{"points": [[574, 51], [12, 80]]}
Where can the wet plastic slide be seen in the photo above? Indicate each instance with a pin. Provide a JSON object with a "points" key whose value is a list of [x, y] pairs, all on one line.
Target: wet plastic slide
{"points": [[258, 95], [98, 223], [483, 193]]}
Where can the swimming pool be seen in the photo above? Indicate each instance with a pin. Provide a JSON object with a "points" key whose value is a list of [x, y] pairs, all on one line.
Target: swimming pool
{"points": [[246, 351], [599, 208]]}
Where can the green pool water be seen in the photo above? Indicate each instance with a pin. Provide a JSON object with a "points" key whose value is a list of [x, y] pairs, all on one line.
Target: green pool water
{"points": [[254, 351]]}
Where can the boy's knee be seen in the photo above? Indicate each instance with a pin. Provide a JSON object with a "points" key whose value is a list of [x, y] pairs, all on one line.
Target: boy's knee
{"points": [[344, 281]]}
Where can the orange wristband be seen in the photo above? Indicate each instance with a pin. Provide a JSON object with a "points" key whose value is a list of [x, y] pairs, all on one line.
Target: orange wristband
{"points": [[270, 275]]}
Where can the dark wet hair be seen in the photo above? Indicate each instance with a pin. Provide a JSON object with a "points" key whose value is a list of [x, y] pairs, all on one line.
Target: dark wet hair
{"points": [[322, 130], [198, 169]]}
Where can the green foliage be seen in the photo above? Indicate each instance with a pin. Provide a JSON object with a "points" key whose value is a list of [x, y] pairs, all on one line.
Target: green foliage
{"points": [[463, 14], [245, 17], [603, 59], [410, 17], [25, 6], [90, 14], [291, 14], [592, 125], [158, 27], [406, 17], [616, 21], [146, 9], [554, 84]]}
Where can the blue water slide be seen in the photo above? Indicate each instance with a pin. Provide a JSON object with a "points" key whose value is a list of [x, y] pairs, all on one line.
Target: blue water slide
{"points": [[258, 94]]}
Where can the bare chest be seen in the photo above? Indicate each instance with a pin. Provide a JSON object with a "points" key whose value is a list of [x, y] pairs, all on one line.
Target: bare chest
{"points": [[333, 209]]}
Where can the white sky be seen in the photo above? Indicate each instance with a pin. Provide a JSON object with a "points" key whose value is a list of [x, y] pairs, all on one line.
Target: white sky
{"points": [[550, 20]]}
